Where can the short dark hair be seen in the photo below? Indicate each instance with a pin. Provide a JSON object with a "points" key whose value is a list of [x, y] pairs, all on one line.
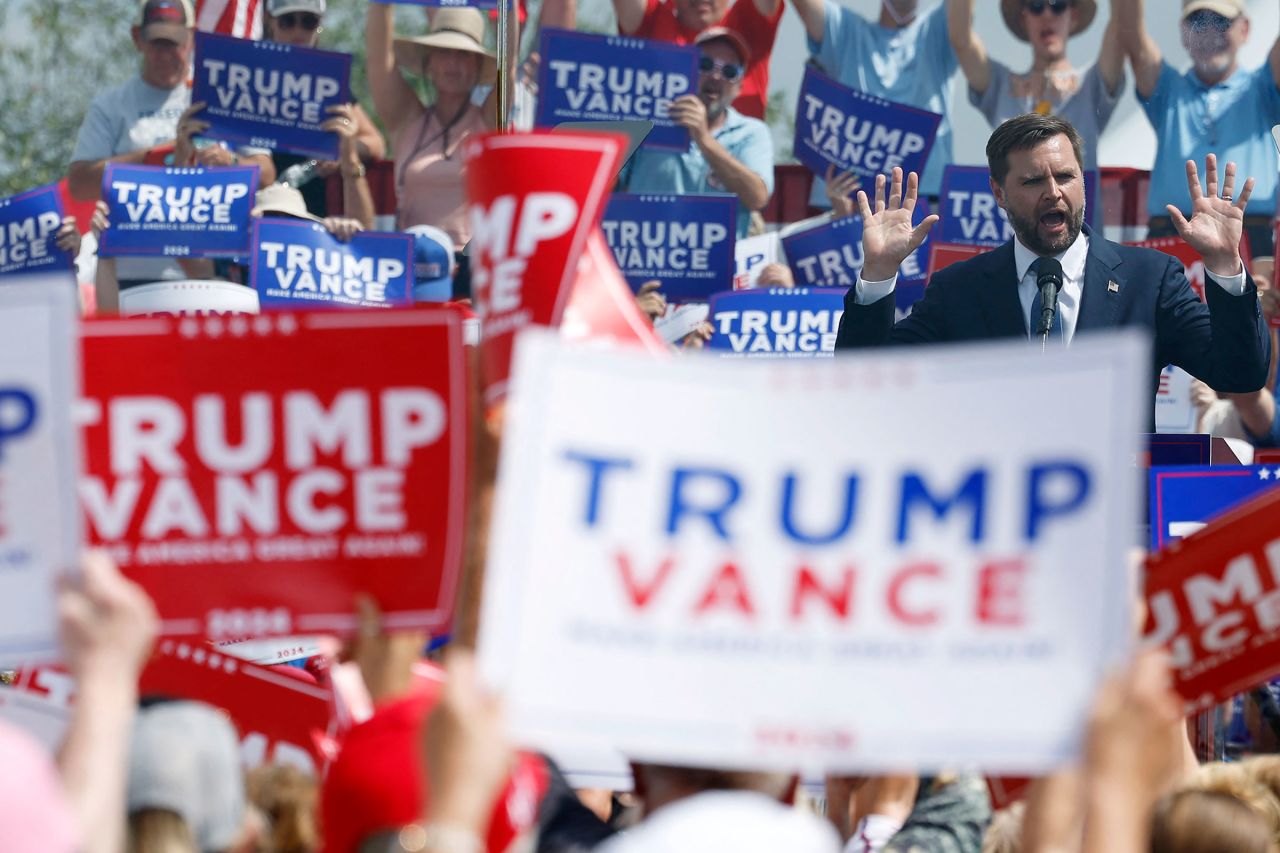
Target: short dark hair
{"points": [[1027, 131]]}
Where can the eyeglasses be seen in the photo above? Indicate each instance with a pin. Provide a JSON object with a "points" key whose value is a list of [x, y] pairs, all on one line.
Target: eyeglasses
{"points": [[730, 71], [1037, 7], [298, 20], [1206, 19]]}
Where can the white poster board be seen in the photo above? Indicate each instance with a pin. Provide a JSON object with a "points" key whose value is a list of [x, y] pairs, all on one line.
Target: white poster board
{"points": [[39, 456], [1174, 410], [751, 255], [183, 298], [909, 559]]}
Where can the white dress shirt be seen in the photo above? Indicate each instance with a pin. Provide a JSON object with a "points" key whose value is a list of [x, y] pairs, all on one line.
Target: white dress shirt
{"points": [[1073, 263]]}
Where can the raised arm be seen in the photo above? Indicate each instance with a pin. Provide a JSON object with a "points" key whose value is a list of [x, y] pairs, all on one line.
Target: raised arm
{"points": [[561, 14], [971, 53], [1130, 19], [814, 15], [1111, 55], [396, 103], [630, 14]]}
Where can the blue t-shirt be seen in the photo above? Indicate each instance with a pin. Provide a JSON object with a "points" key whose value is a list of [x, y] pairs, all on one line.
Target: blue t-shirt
{"points": [[914, 66], [1232, 119], [687, 173]]}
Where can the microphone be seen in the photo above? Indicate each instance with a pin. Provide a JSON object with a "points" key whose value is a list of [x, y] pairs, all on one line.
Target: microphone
{"points": [[1049, 282]]}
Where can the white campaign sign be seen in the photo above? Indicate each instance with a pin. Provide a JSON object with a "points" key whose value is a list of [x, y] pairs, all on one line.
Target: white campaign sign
{"points": [[39, 522], [1174, 409], [188, 298], [751, 256], [913, 559]]}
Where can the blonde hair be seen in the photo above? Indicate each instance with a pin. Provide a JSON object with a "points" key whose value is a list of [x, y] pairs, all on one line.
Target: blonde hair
{"points": [[1265, 770], [159, 831], [1234, 781], [1200, 821], [1004, 834], [287, 798]]}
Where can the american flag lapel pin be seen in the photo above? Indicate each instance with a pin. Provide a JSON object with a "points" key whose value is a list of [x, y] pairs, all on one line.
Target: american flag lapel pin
{"points": [[1113, 287]]}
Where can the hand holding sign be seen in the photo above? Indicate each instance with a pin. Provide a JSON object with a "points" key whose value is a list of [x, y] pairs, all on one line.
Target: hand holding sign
{"points": [[689, 112], [1216, 221], [887, 235]]}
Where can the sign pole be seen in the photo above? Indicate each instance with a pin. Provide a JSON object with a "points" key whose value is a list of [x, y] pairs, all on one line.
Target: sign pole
{"points": [[507, 54]]}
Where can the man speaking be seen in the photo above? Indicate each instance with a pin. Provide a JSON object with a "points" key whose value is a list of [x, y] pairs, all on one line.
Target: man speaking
{"points": [[1056, 278]]}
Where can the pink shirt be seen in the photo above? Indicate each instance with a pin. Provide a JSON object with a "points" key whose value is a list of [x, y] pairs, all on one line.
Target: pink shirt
{"points": [[430, 179]]}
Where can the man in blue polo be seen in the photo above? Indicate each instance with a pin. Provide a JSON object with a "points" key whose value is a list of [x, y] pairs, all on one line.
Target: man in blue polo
{"points": [[1215, 106], [728, 152]]}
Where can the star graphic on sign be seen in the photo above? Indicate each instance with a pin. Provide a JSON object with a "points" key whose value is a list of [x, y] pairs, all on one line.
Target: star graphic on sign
{"points": [[1264, 474]]}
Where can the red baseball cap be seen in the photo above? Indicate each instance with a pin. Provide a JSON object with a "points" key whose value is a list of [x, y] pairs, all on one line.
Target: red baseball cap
{"points": [[732, 36], [166, 19], [377, 782]]}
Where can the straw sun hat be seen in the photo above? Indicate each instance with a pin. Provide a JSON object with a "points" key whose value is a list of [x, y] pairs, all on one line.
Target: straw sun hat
{"points": [[451, 29], [1012, 11]]}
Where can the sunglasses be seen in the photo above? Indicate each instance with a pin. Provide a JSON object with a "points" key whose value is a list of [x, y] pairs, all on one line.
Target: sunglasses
{"points": [[1038, 7], [298, 20], [1205, 20], [730, 71]]}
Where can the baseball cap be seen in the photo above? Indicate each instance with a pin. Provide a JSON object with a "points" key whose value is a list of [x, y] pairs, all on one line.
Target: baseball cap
{"points": [[166, 19], [276, 8], [432, 264], [1225, 8], [732, 36], [185, 759], [377, 781]]}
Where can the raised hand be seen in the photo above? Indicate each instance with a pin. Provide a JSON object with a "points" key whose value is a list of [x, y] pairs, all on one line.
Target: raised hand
{"points": [[888, 236], [1216, 219], [184, 146]]}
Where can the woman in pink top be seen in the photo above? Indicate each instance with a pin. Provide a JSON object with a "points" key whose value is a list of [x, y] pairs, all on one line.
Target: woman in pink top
{"points": [[427, 139]]}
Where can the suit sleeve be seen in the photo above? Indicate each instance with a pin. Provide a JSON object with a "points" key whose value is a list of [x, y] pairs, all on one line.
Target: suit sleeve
{"points": [[873, 326], [1226, 344]]}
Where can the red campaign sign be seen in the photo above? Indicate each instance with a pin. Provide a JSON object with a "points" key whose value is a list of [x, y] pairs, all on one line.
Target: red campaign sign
{"points": [[602, 306], [255, 473], [1269, 456], [1214, 599], [943, 255], [1190, 258], [281, 718], [535, 198]]}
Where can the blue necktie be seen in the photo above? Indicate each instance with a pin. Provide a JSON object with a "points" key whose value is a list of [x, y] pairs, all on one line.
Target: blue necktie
{"points": [[1057, 334]]}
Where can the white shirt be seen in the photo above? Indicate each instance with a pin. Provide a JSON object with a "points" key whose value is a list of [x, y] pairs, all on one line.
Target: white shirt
{"points": [[1073, 263]]}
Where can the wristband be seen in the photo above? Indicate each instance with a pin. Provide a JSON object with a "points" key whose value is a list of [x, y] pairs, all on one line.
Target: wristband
{"points": [[356, 173]]}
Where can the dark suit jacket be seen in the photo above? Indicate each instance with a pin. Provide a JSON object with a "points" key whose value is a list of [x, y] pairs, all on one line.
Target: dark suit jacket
{"points": [[1226, 343]]}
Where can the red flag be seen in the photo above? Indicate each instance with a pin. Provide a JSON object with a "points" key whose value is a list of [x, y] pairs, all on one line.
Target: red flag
{"points": [[535, 198], [239, 18]]}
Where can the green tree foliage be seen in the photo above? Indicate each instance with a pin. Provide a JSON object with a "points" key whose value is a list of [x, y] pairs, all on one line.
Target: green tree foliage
{"points": [[54, 56]]}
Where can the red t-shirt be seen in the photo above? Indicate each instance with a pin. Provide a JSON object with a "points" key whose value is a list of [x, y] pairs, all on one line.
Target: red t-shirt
{"points": [[660, 23]]}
